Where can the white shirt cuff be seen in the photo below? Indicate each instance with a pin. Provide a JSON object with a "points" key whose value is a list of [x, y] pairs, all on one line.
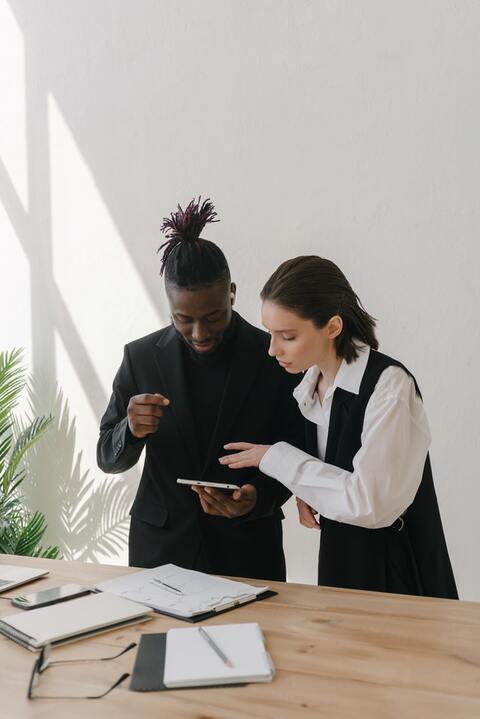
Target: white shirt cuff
{"points": [[281, 462]]}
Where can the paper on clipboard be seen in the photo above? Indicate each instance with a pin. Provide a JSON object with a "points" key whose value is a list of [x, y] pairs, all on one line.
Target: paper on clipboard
{"points": [[179, 591]]}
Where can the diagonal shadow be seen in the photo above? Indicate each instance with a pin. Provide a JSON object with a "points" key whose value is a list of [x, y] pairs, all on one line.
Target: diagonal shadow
{"points": [[14, 208], [92, 130], [52, 301], [88, 520], [85, 518]]}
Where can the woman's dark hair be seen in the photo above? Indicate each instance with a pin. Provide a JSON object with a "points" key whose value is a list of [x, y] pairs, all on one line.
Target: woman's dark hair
{"points": [[316, 289], [188, 260]]}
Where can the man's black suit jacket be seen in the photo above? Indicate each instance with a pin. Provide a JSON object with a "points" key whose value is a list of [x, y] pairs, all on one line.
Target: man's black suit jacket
{"points": [[167, 522]]}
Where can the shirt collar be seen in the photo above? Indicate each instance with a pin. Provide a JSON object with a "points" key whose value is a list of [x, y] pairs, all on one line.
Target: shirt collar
{"points": [[348, 377]]}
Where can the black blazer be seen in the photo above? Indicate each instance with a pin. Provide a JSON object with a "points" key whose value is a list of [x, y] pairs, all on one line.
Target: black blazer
{"points": [[168, 524]]}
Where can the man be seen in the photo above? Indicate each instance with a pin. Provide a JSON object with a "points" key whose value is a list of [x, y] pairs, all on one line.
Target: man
{"points": [[182, 393]]}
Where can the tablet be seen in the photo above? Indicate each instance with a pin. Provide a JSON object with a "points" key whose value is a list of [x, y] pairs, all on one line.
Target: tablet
{"points": [[215, 485]]}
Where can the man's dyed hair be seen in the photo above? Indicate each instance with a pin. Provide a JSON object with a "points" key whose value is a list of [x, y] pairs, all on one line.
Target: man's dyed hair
{"points": [[188, 260]]}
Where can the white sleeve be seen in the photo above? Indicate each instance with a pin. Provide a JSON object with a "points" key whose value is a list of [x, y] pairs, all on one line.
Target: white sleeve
{"points": [[387, 469]]}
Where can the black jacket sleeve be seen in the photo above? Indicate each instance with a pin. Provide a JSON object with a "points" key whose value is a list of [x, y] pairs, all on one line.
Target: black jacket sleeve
{"points": [[289, 427], [117, 448]]}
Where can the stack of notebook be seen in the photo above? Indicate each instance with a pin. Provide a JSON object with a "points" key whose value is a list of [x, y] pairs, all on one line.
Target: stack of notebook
{"points": [[68, 621]]}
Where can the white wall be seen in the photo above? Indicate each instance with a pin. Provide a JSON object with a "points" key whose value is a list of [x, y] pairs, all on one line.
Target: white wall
{"points": [[347, 129]]}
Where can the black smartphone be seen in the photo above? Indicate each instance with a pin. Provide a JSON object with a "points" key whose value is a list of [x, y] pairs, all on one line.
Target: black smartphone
{"points": [[50, 596]]}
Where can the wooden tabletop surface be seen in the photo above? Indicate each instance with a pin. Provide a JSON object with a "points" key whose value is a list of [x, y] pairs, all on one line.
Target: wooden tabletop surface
{"points": [[338, 653]]}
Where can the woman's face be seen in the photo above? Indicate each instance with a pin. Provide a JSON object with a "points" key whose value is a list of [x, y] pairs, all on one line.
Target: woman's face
{"points": [[297, 343]]}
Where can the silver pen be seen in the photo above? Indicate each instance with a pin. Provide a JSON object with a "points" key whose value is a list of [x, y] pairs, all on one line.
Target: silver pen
{"points": [[164, 584], [215, 647]]}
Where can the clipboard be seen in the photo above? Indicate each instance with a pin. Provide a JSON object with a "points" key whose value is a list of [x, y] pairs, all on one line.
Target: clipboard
{"points": [[184, 594], [208, 615]]}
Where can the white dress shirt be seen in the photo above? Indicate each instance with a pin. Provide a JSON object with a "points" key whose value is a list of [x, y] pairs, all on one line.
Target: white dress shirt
{"points": [[388, 467]]}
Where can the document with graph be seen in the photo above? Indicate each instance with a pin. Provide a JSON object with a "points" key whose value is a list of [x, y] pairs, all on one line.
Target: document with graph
{"points": [[183, 593]]}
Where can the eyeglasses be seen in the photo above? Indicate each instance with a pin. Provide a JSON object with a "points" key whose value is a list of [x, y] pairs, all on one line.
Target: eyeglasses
{"points": [[43, 662]]}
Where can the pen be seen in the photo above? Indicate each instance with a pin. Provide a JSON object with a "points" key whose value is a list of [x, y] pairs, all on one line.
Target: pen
{"points": [[169, 586], [215, 647]]}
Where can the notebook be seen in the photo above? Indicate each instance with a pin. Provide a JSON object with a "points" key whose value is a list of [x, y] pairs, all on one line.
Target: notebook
{"points": [[182, 658], [12, 576], [183, 593], [71, 620]]}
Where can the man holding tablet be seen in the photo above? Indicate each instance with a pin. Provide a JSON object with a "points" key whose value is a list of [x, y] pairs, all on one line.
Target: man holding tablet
{"points": [[182, 393]]}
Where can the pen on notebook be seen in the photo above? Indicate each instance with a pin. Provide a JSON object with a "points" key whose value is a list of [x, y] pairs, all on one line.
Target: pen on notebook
{"points": [[215, 647], [169, 586]]}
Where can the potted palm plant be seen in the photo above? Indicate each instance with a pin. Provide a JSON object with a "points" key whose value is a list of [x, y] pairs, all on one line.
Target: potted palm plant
{"points": [[21, 531]]}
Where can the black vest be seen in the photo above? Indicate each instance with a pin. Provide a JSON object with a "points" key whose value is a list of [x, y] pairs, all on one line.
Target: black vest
{"points": [[411, 556]]}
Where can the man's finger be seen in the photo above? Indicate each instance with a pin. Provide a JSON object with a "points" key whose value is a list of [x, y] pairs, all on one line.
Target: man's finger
{"points": [[145, 419], [140, 431], [142, 427], [206, 507], [214, 507], [157, 399], [201, 497], [146, 410], [245, 493], [218, 498], [222, 502]]}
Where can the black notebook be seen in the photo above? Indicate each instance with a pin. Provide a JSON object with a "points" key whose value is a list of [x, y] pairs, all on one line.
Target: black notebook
{"points": [[181, 658]]}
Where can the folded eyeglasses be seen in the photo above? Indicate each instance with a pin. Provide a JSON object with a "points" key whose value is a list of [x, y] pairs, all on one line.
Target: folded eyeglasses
{"points": [[43, 662]]}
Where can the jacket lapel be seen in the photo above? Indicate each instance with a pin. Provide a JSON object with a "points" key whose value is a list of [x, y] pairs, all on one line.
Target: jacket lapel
{"points": [[248, 354], [311, 438], [340, 406], [170, 365]]}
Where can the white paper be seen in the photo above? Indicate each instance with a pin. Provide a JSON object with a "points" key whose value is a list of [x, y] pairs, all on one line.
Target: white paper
{"points": [[191, 661], [198, 592]]}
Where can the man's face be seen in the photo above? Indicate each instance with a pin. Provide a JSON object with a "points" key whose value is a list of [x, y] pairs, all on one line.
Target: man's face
{"points": [[202, 315]]}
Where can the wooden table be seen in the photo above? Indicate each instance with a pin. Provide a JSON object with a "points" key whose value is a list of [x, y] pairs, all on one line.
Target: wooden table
{"points": [[338, 653]]}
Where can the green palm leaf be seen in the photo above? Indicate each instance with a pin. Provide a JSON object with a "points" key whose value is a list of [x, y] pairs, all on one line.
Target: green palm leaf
{"points": [[12, 382], [20, 533], [26, 438], [31, 534]]}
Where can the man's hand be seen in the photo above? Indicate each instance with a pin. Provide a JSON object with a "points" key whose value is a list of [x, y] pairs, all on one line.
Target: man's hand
{"points": [[250, 455], [306, 515], [220, 504], [144, 412]]}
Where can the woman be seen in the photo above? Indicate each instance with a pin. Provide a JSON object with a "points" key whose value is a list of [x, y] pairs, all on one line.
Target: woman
{"points": [[367, 471]]}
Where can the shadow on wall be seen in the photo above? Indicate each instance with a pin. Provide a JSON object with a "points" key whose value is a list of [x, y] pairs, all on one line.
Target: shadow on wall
{"points": [[64, 172], [87, 518]]}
